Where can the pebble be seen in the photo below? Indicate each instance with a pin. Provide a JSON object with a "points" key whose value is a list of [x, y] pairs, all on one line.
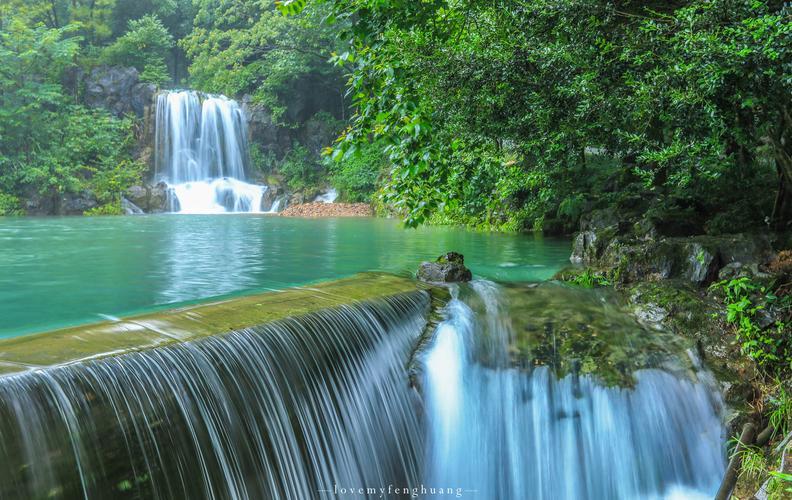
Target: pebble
{"points": [[328, 210]]}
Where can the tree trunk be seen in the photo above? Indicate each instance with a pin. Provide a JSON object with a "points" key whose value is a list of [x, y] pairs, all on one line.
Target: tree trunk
{"points": [[733, 470], [782, 209], [782, 152]]}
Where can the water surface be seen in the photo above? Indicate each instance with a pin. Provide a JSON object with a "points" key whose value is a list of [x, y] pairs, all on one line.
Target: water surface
{"points": [[63, 271]]}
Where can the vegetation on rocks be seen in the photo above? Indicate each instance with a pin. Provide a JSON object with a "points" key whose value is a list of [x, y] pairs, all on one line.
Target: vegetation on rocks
{"points": [[730, 294]]}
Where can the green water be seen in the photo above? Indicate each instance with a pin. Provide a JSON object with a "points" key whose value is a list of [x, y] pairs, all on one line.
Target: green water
{"points": [[63, 271]]}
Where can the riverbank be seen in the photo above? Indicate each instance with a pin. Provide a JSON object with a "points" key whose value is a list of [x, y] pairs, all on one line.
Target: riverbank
{"points": [[730, 296], [328, 210]]}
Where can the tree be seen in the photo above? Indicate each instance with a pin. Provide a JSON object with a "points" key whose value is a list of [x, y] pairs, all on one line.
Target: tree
{"points": [[248, 47], [145, 46], [524, 113], [48, 144]]}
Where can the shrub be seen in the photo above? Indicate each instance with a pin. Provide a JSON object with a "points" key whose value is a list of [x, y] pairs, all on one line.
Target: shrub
{"points": [[9, 205], [769, 346], [356, 176], [144, 46], [300, 169]]}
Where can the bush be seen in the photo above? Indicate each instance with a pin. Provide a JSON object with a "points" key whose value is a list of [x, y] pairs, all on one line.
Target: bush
{"points": [[155, 72], [769, 346], [262, 161], [300, 169], [144, 46], [9, 205], [106, 209], [356, 177]]}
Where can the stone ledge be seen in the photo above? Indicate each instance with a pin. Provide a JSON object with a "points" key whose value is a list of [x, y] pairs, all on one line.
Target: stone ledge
{"points": [[145, 331]]}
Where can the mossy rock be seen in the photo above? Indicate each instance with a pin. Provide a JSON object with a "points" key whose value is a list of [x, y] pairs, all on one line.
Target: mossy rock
{"points": [[585, 331], [692, 313]]}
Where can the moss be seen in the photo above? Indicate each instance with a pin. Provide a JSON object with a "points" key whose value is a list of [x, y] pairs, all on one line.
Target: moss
{"points": [[188, 323], [597, 336], [692, 314]]}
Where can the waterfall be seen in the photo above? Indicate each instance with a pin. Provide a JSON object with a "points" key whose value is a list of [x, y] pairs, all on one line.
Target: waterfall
{"points": [[329, 196], [286, 410], [201, 152], [320, 406], [508, 433]]}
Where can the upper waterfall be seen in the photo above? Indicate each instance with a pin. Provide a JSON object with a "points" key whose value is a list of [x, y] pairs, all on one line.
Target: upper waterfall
{"points": [[201, 152]]}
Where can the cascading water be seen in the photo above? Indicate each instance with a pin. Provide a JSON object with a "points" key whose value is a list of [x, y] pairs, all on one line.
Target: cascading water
{"points": [[329, 196], [201, 152], [507, 433], [319, 406], [288, 410]]}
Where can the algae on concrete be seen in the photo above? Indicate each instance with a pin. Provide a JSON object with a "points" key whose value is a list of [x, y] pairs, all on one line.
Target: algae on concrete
{"points": [[149, 330]]}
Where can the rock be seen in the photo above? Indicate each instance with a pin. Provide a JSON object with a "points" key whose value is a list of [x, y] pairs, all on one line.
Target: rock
{"points": [[699, 264], [598, 228], [637, 261], [650, 315], [77, 203], [448, 268], [693, 259], [297, 199], [645, 229], [158, 198], [582, 246], [150, 199], [590, 245], [118, 90], [319, 133], [130, 208], [745, 248], [37, 204], [731, 270], [138, 195], [600, 219], [263, 130], [268, 198]]}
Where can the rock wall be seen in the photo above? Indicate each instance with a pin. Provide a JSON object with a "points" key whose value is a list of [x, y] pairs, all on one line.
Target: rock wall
{"points": [[635, 251], [118, 90], [313, 132]]}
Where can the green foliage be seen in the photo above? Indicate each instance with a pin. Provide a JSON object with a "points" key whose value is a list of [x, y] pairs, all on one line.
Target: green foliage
{"points": [[589, 278], [249, 47], [684, 97], [780, 486], [754, 464], [300, 169], [9, 205], [263, 161], [110, 181], [145, 46], [91, 18], [48, 144], [106, 209], [356, 176], [770, 347], [155, 72], [780, 414], [176, 15]]}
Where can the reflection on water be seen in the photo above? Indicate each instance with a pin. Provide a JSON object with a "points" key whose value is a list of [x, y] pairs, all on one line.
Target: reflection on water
{"points": [[209, 259], [60, 271]]}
